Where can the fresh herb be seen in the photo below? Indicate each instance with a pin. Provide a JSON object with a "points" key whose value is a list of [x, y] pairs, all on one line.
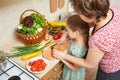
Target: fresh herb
{"points": [[38, 19], [31, 24], [52, 47]]}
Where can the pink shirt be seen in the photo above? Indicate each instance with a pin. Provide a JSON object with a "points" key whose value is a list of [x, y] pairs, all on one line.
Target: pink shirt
{"points": [[107, 39]]}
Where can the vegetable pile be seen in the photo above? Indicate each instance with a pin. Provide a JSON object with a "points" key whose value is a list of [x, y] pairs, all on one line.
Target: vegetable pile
{"points": [[56, 29], [37, 65], [31, 24]]}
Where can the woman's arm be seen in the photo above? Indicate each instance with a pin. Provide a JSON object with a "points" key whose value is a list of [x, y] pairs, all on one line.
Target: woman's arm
{"points": [[93, 57], [70, 65]]}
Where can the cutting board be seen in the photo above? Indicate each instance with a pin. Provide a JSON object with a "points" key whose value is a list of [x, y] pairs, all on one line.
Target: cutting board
{"points": [[53, 5], [48, 52], [61, 3]]}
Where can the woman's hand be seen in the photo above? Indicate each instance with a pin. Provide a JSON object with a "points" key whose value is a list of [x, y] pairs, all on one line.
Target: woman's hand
{"points": [[72, 66], [58, 54]]}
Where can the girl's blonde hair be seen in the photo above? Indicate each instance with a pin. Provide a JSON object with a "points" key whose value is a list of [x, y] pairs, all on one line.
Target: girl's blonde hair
{"points": [[75, 23], [91, 8]]}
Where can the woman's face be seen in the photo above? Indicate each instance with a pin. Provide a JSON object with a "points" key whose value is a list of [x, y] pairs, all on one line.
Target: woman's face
{"points": [[88, 20]]}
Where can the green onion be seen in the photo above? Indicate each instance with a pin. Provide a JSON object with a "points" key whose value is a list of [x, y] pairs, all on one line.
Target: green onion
{"points": [[23, 50]]}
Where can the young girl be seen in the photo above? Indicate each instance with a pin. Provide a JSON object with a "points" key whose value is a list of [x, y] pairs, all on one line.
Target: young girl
{"points": [[78, 32], [104, 43]]}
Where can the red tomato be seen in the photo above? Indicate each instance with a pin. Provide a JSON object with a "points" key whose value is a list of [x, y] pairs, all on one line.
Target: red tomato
{"points": [[60, 34], [39, 69], [56, 36], [33, 68], [38, 65]]}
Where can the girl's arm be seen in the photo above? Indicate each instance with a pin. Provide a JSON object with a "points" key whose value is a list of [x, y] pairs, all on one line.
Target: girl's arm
{"points": [[94, 56], [70, 65], [64, 38]]}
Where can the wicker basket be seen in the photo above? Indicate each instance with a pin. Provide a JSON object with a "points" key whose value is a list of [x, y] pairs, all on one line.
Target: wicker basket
{"points": [[29, 39]]}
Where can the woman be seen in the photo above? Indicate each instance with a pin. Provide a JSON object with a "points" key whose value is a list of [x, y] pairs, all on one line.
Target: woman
{"points": [[104, 43]]}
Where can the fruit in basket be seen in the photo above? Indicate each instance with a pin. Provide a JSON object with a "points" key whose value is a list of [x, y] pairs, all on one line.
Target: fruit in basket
{"points": [[31, 24]]}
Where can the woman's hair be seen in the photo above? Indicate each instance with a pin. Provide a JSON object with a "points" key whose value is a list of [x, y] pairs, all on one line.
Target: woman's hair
{"points": [[75, 23], [91, 8]]}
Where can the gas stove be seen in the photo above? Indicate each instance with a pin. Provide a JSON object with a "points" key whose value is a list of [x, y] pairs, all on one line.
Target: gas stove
{"points": [[13, 69]]}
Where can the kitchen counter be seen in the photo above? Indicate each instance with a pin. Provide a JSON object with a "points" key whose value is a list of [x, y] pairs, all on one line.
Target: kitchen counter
{"points": [[7, 47], [39, 75], [22, 63], [9, 19]]}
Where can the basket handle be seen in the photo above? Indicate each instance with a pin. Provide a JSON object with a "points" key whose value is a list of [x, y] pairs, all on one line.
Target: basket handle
{"points": [[21, 16], [44, 20]]}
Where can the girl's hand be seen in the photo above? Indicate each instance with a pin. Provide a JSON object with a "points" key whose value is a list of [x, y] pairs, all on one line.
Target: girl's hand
{"points": [[58, 54], [63, 39]]}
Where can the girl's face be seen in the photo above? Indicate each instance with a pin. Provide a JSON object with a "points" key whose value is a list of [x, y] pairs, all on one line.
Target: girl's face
{"points": [[71, 34], [88, 20]]}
